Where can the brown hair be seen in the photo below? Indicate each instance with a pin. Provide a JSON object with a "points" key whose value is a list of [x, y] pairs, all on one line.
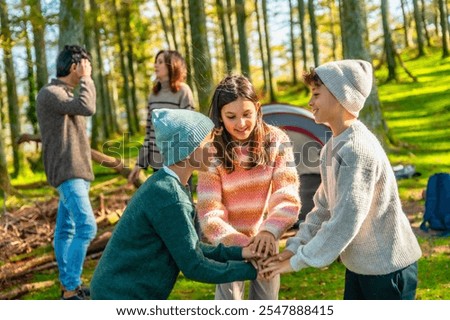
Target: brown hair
{"points": [[176, 67], [230, 89], [312, 77]]}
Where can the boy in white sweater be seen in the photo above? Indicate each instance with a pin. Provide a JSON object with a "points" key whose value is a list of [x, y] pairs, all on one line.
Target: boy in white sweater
{"points": [[357, 214]]}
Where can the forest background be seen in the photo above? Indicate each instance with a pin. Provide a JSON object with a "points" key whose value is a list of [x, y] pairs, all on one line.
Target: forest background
{"points": [[270, 41]]}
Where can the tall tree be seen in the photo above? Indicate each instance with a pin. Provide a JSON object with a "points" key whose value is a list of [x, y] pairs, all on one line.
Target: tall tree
{"points": [[131, 121], [355, 45], [419, 29], [13, 101], [313, 25], [186, 41], [292, 41], [270, 78], [424, 23], [163, 23], [99, 118], [200, 51], [301, 21], [31, 79], [229, 15], [243, 46], [5, 181], [129, 36], [405, 22], [71, 23], [38, 23], [332, 6], [226, 40], [172, 25], [443, 17], [261, 47], [389, 48]]}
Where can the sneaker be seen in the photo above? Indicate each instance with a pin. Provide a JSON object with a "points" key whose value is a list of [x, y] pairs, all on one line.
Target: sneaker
{"points": [[84, 291], [81, 293], [77, 296], [74, 297]]}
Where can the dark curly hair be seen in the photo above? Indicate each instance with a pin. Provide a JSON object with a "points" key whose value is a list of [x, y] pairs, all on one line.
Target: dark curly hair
{"points": [[69, 55]]}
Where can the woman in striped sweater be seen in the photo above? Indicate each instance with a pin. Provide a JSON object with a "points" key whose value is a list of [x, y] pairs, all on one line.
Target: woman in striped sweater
{"points": [[170, 92], [251, 194]]}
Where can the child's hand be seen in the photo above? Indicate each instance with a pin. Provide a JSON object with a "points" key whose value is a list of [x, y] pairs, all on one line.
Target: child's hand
{"points": [[248, 252], [264, 244], [285, 255], [274, 268]]}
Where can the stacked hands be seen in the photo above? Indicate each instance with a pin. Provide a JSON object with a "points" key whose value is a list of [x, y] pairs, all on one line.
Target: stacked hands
{"points": [[262, 254]]}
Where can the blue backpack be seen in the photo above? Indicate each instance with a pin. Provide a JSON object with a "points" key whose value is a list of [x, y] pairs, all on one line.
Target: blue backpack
{"points": [[437, 204]]}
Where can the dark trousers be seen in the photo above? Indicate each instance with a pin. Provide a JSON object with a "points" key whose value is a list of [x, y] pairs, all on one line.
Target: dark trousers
{"points": [[398, 285]]}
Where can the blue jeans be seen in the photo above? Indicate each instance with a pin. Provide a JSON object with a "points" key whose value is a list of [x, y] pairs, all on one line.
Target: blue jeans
{"points": [[75, 229]]}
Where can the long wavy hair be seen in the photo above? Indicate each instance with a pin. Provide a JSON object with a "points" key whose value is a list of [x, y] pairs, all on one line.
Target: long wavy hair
{"points": [[228, 90], [177, 70]]}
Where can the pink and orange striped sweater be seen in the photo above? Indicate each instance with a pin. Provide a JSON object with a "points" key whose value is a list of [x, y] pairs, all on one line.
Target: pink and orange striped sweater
{"points": [[234, 207]]}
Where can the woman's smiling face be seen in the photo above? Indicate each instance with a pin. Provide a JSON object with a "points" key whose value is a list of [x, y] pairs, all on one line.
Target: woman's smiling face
{"points": [[239, 118]]}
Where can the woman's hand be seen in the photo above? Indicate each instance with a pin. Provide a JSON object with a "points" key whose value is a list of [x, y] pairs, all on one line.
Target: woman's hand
{"points": [[264, 244]]}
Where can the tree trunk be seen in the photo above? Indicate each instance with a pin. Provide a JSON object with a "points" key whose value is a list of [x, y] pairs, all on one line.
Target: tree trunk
{"points": [[187, 51], [124, 71], [443, 18], [200, 50], [261, 48], [388, 43], [97, 134], [270, 79], [101, 83], [313, 24], [5, 182], [292, 41], [71, 23], [229, 15], [172, 24], [331, 4], [424, 23], [226, 41], [38, 24], [419, 29], [163, 24], [243, 46], [405, 23], [354, 29], [31, 109], [13, 101], [130, 64], [301, 21]]}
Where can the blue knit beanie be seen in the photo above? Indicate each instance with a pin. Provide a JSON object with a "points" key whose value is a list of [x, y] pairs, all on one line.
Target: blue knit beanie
{"points": [[179, 132]]}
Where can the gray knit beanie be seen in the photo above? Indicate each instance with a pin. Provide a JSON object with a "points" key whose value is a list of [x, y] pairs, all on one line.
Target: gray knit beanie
{"points": [[350, 82], [179, 132]]}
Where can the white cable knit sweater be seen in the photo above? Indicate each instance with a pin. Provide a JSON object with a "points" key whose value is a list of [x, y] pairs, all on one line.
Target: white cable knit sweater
{"points": [[357, 213]]}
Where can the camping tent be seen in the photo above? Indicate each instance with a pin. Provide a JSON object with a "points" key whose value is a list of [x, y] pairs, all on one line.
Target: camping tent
{"points": [[308, 138]]}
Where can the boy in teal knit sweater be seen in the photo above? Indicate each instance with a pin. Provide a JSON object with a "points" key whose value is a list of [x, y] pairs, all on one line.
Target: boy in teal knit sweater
{"points": [[155, 237]]}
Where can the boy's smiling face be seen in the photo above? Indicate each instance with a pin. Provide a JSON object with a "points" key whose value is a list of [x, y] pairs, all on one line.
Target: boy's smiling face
{"points": [[325, 107]]}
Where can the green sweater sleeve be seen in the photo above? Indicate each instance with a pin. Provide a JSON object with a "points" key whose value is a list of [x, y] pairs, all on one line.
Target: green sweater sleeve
{"points": [[175, 227], [221, 252]]}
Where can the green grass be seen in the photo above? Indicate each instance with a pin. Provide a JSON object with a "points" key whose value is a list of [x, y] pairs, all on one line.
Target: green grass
{"points": [[418, 115]]}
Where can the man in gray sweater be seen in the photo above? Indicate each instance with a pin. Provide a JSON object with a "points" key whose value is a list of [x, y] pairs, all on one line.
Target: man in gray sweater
{"points": [[357, 212], [67, 162]]}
